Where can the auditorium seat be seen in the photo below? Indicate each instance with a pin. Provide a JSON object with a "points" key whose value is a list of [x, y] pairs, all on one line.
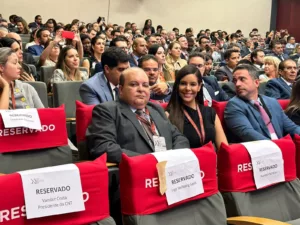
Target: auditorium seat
{"points": [[25, 37], [46, 73], [220, 108], [228, 87], [279, 201], [262, 88], [41, 89], [284, 103]]}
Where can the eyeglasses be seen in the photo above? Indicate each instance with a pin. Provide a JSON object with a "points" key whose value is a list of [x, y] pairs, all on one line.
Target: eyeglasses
{"points": [[198, 65], [150, 69]]}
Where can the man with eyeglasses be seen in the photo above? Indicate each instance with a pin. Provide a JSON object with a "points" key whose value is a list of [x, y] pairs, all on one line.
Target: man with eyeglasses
{"points": [[159, 89], [281, 88], [211, 88], [204, 43], [120, 42]]}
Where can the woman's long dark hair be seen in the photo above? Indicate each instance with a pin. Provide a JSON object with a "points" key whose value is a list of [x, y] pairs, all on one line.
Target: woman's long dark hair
{"points": [[294, 104], [175, 104]]}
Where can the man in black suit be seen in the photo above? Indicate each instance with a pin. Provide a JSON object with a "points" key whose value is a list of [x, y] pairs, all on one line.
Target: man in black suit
{"points": [[139, 48], [277, 51], [184, 47], [211, 88], [248, 48], [232, 57], [132, 124], [37, 22]]}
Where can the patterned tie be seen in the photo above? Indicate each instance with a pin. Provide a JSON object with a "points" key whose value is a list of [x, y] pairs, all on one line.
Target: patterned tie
{"points": [[266, 119], [145, 121], [116, 89]]}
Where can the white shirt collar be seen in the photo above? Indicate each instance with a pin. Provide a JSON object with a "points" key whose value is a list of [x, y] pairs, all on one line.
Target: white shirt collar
{"points": [[288, 83]]}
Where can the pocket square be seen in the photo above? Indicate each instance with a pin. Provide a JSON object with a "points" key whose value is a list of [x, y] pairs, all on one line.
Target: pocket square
{"points": [[216, 92]]}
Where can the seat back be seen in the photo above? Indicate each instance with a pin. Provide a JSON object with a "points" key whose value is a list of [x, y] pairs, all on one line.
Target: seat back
{"points": [[279, 201], [262, 88], [36, 58], [66, 92], [95, 195], [220, 108], [284, 103], [83, 120], [25, 37], [228, 87], [33, 70], [41, 89], [46, 73], [139, 180]]}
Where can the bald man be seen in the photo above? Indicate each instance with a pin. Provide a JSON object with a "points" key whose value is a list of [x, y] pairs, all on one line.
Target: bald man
{"points": [[139, 49], [133, 124]]}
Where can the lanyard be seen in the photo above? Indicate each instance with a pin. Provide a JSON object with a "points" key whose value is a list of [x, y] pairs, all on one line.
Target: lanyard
{"points": [[202, 133], [151, 124], [13, 100]]}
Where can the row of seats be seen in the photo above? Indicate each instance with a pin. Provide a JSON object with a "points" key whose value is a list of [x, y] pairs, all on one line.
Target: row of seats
{"points": [[231, 193]]}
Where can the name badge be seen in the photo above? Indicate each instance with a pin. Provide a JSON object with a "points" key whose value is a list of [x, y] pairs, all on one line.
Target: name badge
{"points": [[159, 144]]}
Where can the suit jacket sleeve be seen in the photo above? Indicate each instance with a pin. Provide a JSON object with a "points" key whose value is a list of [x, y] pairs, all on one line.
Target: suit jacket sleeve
{"points": [[222, 96], [272, 90], [32, 50], [88, 95], [220, 74], [238, 123], [102, 136]]}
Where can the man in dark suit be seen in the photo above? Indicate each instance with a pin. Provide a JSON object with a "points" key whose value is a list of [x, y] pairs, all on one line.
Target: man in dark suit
{"points": [[250, 116], [277, 51], [248, 48], [104, 86], [43, 36], [232, 57], [132, 124], [37, 23], [184, 47], [139, 48], [211, 88], [281, 88], [159, 89]]}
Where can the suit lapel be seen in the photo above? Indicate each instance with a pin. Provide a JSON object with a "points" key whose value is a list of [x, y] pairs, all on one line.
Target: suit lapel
{"points": [[229, 73], [105, 87], [127, 112], [286, 87], [157, 120], [258, 118]]}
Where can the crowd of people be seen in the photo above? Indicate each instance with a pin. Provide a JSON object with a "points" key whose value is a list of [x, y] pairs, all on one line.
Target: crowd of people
{"points": [[128, 71]]}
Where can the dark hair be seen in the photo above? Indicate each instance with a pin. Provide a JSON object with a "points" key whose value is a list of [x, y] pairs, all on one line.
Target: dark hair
{"points": [[119, 38], [294, 104], [113, 32], [7, 42], [188, 30], [282, 63], [94, 41], [252, 70], [203, 37], [175, 28], [127, 23], [231, 45], [207, 30], [196, 54], [146, 23], [32, 35], [273, 43], [113, 56], [159, 27], [254, 54], [146, 58], [255, 29], [81, 28], [39, 32], [208, 57], [51, 21], [89, 31], [289, 38], [58, 28], [74, 21], [244, 61], [24, 23], [99, 19], [175, 104], [12, 17], [36, 17], [234, 35], [153, 49], [84, 36], [238, 31], [229, 52]]}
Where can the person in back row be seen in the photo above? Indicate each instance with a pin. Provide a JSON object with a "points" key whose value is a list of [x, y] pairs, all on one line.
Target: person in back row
{"points": [[186, 111], [132, 125], [103, 86], [281, 87], [250, 116], [232, 57]]}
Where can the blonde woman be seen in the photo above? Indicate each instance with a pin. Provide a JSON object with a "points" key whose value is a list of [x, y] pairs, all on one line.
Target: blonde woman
{"points": [[67, 66], [271, 68], [173, 61]]}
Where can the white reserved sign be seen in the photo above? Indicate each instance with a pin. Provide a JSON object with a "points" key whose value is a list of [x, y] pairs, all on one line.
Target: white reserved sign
{"points": [[267, 162], [52, 191], [183, 174], [21, 118]]}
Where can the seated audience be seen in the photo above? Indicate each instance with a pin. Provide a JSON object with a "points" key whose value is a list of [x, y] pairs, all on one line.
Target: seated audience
{"points": [[280, 88], [120, 42], [67, 66], [198, 123], [250, 116], [86, 43], [104, 86], [97, 49], [208, 65], [173, 61], [257, 58], [277, 51], [211, 88], [132, 124], [296, 53], [159, 53], [37, 23], [271, 66], [232, 58], [15, 94], [293, 109], [159, 90], [22, 26], [50, 55]]}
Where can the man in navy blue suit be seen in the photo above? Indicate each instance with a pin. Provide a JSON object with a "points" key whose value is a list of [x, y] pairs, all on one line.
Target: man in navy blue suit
{"points": [[281, 88], [103, 86], [277, 51], [250, 116], [211, 88], [139, 49], [43, 36]]}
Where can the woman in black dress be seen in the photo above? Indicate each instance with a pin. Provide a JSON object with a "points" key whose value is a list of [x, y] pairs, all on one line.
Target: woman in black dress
{"points": [[198, 123]]}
